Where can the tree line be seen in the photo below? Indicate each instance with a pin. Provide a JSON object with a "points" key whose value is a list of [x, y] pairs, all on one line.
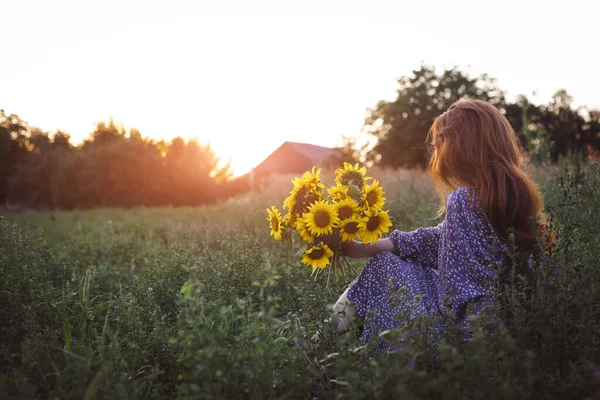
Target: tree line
{"points": [[119, 168], [547, 131], [112, 168]]}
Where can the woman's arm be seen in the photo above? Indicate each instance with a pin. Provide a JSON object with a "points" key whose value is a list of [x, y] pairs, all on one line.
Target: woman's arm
{"points": [[362, 250], [421, 244]]}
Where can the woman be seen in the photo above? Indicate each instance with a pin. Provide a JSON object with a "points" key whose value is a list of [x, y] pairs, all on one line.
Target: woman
{"points": [[452, 267]]}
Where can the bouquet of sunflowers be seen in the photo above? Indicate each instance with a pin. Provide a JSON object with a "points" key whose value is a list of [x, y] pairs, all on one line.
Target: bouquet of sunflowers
{"points": [[324, 217]]}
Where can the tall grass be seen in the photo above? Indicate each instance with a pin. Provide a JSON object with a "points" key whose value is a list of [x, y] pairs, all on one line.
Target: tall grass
{"points": [[202, 303]]}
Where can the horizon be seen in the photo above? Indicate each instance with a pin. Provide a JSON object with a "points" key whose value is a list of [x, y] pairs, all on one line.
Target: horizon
{"points": [[266, 74]]}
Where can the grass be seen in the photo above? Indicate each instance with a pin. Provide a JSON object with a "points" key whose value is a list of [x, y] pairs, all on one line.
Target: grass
{"points": [[202, 303]]}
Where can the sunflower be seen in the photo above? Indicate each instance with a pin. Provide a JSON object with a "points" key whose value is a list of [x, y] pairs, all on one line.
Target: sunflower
{"points": [[317, 256], [288, 204], [300, 198], [346, 208], [300, 189], [338, 192], [321, 218], [373, 225], [296, 183], [275, 222], [312, 179], [372, 196], [290, 201], [351, 175], [303, 231], [290, 220], [349, 229]]}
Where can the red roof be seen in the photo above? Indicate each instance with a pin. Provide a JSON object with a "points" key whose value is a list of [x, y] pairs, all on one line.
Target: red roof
{"points": [[293, 157]]}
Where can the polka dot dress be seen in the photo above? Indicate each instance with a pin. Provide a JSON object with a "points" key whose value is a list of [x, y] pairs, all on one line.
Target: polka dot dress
{"points": [[441, 269]]}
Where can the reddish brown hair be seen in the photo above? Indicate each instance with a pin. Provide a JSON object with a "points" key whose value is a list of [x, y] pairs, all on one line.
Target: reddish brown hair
{"points": [[475, 146]]}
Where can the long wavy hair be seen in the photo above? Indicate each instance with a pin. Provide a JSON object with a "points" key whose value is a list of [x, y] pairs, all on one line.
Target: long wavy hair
{"points": [[475, 146]]}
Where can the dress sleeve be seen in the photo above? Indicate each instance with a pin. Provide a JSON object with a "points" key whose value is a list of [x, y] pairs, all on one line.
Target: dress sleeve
{"points": [[420, 245]]}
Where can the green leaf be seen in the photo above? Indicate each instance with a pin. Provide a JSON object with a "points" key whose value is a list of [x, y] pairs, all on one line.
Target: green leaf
{"points": [[3, 384], [187, 290], [94, 387], [286, 238], [67, 336], [353, 190], [84, 352]]}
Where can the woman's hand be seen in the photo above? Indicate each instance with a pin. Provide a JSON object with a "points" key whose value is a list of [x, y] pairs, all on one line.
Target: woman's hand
{"points": [[361, 250], [354, 249]]}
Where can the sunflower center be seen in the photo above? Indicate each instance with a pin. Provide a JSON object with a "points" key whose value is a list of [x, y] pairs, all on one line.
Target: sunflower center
{"points": [[311, 198], [345, 212], [373, 223], [300, 201], [316, 254], [275, 224], [354, 177], [338, 193], [372, 198], [351, 228], [322, 219]]}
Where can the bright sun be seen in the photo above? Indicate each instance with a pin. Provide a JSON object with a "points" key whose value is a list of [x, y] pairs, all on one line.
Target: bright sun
{"points": [[242, 158]]}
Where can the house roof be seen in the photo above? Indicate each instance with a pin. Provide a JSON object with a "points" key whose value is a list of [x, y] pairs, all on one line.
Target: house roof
{"points": [[313, 152], [293, 157]]}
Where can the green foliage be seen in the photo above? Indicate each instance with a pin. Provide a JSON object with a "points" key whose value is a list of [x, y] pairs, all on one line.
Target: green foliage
{"points": [[13, 148], [114, 168], [557, 129], [550, 131], [403, 124], [24, 296], [232, 350], [202, 303], [537, 141]]}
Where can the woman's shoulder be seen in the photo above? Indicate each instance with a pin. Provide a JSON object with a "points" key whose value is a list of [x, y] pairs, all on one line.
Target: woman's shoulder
{"points": [[463, 208], [463, 198]]}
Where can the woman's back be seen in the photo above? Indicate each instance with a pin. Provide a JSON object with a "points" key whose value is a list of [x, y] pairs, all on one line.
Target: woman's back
{"points": [[470, 253]]}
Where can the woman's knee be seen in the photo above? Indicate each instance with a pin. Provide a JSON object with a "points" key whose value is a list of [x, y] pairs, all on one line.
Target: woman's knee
{"points": [[343, 312], [379, 264], [342, 303]]}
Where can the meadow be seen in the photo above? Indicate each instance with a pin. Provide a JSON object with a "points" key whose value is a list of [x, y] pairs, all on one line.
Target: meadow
{"points": [[202, 303]]}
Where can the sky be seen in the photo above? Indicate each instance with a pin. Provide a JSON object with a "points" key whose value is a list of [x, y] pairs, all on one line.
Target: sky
{"points": [[245, 76]]}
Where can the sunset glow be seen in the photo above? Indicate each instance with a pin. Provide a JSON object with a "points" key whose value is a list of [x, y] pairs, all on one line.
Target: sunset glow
{"points": [[247, 78]]}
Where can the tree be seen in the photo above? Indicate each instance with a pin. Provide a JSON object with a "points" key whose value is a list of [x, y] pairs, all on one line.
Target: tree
{"points": [[189, 169], [593, 127], [564, 124], [37, 180], [536, 140], [564, 129], [113, 168], [106, 134], [13, 149], [401, 126], [350, 151]]}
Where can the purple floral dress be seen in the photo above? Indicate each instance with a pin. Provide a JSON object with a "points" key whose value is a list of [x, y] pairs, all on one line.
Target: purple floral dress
{"points": [[451, 267]]}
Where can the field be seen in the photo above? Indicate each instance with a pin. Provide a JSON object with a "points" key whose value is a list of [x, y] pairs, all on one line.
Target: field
{"points": [[202, 303]]}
